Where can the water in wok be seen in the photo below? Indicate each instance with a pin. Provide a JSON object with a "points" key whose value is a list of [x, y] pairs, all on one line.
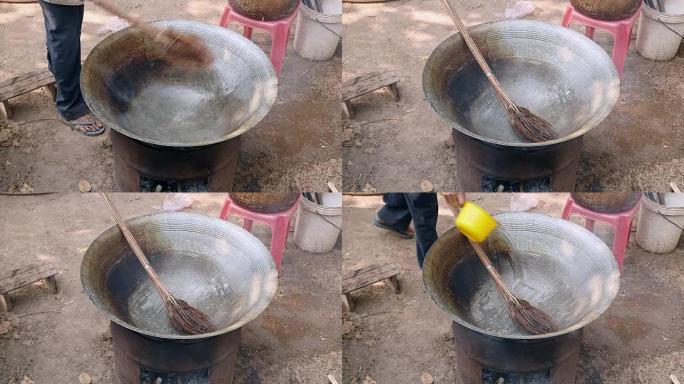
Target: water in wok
{"points": [[216, 266], [558, 266], [555, 72], [133, 88]]}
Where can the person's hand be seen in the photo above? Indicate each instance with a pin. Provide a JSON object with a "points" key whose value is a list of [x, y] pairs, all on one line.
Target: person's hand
{"points": [[455, 198]]}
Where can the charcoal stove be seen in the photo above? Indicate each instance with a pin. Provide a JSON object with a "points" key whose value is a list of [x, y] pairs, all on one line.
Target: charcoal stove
{"points": [[555, 72], [172, 128], [216, 266], [140, 359], [558, 266]]}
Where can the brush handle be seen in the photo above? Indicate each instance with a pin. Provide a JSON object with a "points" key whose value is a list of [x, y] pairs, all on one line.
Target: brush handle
{"points": [[482, 255], [479, 57], [132, 242], [111, 8]]}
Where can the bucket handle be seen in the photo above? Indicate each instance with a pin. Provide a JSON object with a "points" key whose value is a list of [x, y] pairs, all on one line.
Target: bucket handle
{"points": [[670, 28], [330, 222], [668, 219], [333, 32]]}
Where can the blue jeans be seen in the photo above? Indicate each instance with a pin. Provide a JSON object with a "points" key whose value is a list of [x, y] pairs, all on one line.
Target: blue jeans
{"points": [[63, 35], [422, 208]]}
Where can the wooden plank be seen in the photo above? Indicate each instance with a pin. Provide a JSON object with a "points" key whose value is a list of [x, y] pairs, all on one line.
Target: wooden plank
{"points": [[367, 276], [25, 83], [367, 83], [26, 276]]}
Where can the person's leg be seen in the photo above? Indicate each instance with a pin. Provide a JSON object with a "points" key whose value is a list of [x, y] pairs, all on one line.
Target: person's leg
{"points": [[395, 214], [63, 37], [424, 210]]}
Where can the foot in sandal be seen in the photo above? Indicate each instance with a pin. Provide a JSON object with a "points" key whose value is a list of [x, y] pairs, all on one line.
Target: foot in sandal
{"points": [[87, 125], [403, 233]]}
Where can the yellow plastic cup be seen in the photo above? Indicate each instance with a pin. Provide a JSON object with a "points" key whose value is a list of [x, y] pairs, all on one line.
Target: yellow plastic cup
{"points": [[474, 222]]}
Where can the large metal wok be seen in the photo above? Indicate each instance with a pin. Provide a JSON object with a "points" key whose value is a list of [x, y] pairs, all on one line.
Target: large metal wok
{"points": [[216, 266], [557, 73], [559, 266], [132, 87]]}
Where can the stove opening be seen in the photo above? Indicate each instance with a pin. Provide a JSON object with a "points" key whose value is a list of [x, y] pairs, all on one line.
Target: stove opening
{"points": [[148, 184], [492, 377], [151, 377], [490, 184]]}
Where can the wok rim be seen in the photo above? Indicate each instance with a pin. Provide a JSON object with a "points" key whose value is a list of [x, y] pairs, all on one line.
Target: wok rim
{"points": [[591, 317], [251, 315], [270, 80], [594, 50]]}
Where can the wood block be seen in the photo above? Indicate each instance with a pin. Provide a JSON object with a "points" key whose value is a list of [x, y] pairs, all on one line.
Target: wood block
{"points": [[26, 276], [394, 283], [51, 282], [4, 109], [394, 91], [368, 275], [348, 302], [5, 303], [368, 83], [25, 83], [51, 89], [348, 109]]}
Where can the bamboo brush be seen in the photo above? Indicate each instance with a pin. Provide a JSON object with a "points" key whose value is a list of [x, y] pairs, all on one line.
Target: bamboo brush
{"points": [[181, 48], [526, 124], [183, 316], [528, 317]]}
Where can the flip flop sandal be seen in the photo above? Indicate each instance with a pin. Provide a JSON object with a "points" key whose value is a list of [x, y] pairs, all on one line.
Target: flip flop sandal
{"points": [[79, 127], [403, 234]]}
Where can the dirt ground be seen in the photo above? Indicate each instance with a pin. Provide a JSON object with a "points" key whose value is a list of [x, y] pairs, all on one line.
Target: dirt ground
{"points": [[392, 146], [393, 338], [56, 337], [296, 147]]}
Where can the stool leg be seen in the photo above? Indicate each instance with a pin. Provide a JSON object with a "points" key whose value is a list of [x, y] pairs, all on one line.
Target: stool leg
{"points": [[567, 211], [224, 211], [589, 224], [621, 47], [225, 17], [247, 32], [621, 239], [589, 32], [279, 239], [247, 224], [567, 18], [279, 46]]}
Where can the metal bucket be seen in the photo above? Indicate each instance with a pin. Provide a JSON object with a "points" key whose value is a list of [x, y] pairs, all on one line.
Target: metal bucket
{"points": [[216, 266], [264, 9], [558, 266], [132, 87], [606, 9]]}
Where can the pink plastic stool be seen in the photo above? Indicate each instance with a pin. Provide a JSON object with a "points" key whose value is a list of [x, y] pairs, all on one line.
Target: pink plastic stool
{"points": [[620, 29], [279, 223], [621, 223], [279, 30]]}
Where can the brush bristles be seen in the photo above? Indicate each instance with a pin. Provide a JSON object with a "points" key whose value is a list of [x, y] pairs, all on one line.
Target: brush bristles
{"points": [[188, 319], [530, 318], [530, 126], [186, 50]]}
